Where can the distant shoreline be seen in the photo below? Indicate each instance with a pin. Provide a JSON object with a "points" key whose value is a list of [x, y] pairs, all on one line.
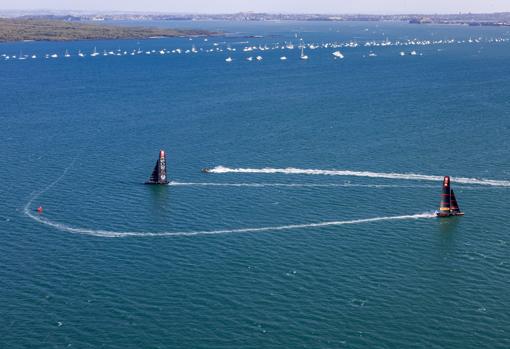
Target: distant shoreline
{"points": [[471, 19], [12, 30]]}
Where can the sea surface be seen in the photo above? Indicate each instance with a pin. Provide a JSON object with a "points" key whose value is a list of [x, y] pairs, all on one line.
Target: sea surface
{"points": [[315, 228]]}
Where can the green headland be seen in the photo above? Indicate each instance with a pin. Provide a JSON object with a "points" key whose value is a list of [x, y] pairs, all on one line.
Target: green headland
{"points": [[57, 30]]}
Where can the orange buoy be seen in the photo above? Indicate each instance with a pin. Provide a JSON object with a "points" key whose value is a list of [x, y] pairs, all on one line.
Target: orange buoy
{"points": [[39, 209]]}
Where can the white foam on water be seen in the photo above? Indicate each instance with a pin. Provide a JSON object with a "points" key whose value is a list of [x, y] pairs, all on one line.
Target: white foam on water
{"points": [[403, 176], [291, 185], [121, 234]]}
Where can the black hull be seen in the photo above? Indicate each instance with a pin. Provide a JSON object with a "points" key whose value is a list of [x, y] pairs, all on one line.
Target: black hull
{"points": [[157, 183], [442, 215]]}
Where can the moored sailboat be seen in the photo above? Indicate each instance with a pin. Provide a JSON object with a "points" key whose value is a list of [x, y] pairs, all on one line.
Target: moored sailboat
{"points": [[338, 54], [303, 56]]}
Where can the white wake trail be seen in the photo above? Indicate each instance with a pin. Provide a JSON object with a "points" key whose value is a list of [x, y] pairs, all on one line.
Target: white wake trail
{"points": [[404, 176], [290, 185], [123, 234], [26, 208], [118, 234]]}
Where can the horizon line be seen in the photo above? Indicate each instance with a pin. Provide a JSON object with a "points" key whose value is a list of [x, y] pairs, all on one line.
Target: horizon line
{"points": [[160, 12]]}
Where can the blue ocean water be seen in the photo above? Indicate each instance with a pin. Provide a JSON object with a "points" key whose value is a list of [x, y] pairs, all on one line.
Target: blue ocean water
{"points": [[79, 137]]}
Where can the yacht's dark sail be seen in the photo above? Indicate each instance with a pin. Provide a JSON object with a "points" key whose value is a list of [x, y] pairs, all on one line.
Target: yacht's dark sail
{"points": [[449, 205], [155, 173], [158, 175], [444, 207], [454, 205]]}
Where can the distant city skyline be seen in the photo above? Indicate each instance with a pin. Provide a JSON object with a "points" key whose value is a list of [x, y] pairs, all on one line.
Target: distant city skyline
{"points": [[280, 6]]}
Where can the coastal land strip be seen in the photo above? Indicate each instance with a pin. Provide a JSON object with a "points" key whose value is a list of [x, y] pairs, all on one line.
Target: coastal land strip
{"points": [[58, 30]]}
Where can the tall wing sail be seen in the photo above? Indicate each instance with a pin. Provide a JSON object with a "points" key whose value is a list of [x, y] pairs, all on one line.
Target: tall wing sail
{"points": [[158, 175], [162, 168], [454, 205], [445, 205], [155, 173]]}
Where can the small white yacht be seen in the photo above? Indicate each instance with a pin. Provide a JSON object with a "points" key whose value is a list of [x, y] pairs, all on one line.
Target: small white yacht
{"points": [[338, 54], [303, 56], [302, 47], [228, 59]]}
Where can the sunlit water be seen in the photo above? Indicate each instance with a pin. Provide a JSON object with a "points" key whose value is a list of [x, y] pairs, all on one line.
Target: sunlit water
{"points": [[314, 228]]}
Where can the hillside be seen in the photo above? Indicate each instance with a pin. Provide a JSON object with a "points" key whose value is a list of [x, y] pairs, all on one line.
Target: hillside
{"points": [[54, 30]]}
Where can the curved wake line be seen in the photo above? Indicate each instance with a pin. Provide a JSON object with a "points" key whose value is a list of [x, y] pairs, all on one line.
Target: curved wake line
{"points": [[405, 176], [26, 208], [291, 185], [122, 234]]}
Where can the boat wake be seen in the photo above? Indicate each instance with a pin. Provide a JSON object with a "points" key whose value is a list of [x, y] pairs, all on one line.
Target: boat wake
{"points": [[26, 208], [402, 176], [291, 185], [124, 234]]}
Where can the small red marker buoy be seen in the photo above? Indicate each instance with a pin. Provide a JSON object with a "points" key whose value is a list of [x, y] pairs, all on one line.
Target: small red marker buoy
{"points": [[39, 209]]}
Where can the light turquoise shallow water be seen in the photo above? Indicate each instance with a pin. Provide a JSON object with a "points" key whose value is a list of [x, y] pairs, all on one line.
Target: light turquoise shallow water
{"points": [[92, 127]]}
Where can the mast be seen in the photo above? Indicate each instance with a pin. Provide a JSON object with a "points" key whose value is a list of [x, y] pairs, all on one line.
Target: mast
{"points": [[162, 167], [445, 206]]}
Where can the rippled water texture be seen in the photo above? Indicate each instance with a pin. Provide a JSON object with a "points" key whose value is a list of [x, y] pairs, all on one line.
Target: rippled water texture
{"points": [[314, 227]]}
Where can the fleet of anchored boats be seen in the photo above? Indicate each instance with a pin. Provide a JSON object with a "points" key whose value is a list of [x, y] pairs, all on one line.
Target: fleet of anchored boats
{"points": [[235, 48]]}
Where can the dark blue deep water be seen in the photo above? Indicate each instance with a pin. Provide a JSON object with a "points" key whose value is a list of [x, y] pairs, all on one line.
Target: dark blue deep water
{"points": [[79, 136]]}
